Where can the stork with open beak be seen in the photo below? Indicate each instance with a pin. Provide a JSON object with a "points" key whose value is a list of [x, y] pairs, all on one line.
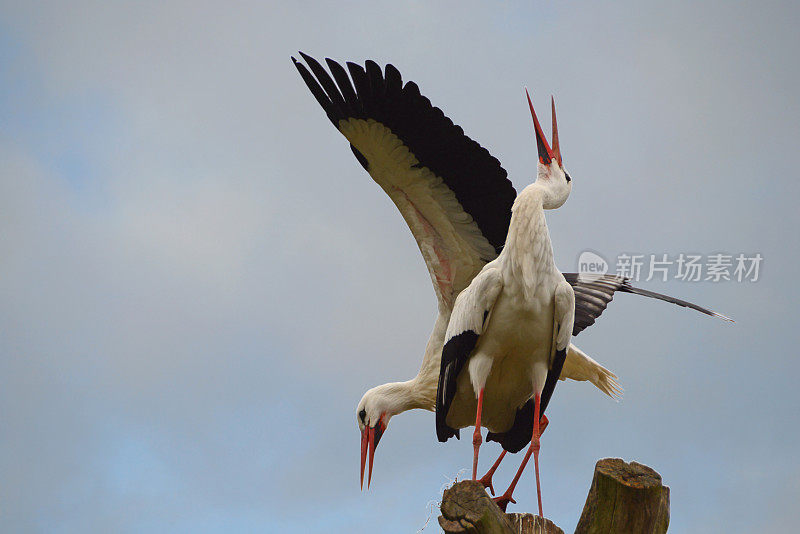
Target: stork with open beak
{"points": [[456, 199], [510, 328], [381, 403]]}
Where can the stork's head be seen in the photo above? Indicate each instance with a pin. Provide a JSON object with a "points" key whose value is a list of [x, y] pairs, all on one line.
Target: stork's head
{"points": [[551, 177], [376, 408]]}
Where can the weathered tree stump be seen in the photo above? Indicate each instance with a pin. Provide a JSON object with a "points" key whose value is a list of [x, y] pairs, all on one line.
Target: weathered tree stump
{"points": [[625, 497], [468, 509]]}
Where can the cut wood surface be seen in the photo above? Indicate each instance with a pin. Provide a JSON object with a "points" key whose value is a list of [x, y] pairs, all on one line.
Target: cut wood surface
{"points": [[532, 524], [625, 498], [467, 508]]}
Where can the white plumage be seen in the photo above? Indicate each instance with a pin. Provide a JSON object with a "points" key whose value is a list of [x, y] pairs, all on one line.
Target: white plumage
{"points": [[510, 328], [456, 199]]}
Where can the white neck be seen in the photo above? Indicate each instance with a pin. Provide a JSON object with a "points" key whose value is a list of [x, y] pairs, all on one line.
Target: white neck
{"points": [[552, 183], [528, 252], [399, 397], [420, 391]]}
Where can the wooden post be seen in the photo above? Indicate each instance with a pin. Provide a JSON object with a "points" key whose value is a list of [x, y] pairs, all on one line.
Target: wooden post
{"points": [[467, 508], [532, 524], [625, 497]]}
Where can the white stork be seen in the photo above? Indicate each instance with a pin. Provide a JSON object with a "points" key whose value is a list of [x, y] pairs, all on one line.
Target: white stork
{"points": [[511, 326], [457, 201]]}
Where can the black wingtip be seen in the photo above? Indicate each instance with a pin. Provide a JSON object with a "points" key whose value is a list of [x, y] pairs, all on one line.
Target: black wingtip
{"points": [[627, 287]]}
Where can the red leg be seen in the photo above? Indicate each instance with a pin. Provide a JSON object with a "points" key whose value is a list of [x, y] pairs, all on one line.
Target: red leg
{"points": [[504, 499], [486, 479], [536, 435], [476, 436]]}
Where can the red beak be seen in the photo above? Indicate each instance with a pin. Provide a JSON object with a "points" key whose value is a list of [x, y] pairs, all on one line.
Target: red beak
{"points": [[364, 447], [372, 445], [545, 153], [370, 436], [556, 146]]}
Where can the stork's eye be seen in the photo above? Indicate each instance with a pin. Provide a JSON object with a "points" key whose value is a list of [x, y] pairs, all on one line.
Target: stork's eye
{"points": [[567, 176], [362, 415]]}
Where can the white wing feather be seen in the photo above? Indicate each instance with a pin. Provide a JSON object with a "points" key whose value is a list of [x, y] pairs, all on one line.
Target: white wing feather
{"points": [[451, 243], [475, 303]]}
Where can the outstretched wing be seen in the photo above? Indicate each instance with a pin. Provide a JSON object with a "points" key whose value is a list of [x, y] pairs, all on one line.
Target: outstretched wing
{"points": [[471, 310], [454, 196], [594, 292]]}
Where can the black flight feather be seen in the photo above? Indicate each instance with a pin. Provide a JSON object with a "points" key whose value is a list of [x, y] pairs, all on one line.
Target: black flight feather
{"points": [[476, 178]]}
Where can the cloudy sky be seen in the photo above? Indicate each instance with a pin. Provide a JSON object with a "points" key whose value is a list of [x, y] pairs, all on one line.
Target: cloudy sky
{"points": [[198, 281]]}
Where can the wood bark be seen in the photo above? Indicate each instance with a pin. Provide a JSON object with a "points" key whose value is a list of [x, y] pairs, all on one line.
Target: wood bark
{"points": [[468, 509], [624, 498]]}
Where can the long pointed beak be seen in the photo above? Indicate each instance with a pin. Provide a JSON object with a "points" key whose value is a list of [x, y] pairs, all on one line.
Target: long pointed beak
{"points": [[370, 437], [364, 447], [371, 453], [556, 146], [545, 154]]}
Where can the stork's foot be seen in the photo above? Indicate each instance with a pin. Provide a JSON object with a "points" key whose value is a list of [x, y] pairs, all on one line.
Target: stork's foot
{"points": [[503, 500], [486, 479]]}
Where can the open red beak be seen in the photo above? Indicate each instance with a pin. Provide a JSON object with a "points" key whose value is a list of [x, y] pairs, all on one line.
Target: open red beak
{"points": [[370, 436], [546, 154]]}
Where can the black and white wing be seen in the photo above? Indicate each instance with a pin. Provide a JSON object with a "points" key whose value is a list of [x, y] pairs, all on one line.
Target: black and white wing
{"points": [[594, 292], [471, 310], [454, 195]]}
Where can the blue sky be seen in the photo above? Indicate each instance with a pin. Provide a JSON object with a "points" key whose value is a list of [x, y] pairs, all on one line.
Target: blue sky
{"points": [[198, 281]]}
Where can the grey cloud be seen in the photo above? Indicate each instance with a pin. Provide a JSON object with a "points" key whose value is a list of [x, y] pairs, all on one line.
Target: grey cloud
{"points": [[186, 334]]}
